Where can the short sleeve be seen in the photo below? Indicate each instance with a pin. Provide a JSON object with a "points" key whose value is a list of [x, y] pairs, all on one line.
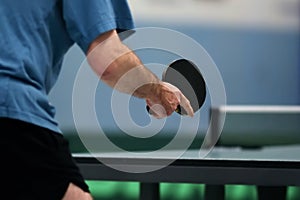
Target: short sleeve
{"points": [[87, 19]]}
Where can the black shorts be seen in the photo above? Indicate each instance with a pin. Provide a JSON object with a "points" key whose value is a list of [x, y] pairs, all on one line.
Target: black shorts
{"points": [[37, 163]]}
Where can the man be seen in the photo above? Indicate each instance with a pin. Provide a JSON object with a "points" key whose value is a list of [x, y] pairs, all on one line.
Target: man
{"points": [[35, 35]]}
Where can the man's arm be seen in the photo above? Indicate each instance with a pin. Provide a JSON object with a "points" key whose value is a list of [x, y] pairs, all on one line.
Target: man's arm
{"points": [[121, 69]]}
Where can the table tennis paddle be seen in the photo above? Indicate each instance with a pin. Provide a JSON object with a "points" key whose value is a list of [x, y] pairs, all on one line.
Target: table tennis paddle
{"points": [[186, 76]]}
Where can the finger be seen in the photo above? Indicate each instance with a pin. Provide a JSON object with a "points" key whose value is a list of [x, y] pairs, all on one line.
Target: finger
{"points": [[158, 113], [185, 103], [149, 102], [149, 105], [156, 110]]}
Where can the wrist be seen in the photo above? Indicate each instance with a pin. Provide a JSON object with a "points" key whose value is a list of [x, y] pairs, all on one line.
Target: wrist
{"points": [[148, 91]]}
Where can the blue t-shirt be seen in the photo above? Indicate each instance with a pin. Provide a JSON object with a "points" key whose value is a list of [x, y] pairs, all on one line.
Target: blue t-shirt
{"points": [[34, 36]]}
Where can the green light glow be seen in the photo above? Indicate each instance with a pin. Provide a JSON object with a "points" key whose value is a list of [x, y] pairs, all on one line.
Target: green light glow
{"points": [[111, 190]]}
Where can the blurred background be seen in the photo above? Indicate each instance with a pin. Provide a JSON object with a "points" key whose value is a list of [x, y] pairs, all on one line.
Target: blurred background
{"points": [[256, 47]]}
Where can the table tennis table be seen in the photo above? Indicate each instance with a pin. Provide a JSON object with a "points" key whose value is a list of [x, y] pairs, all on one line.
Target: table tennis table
{"points": [[269, 166], [266, 166]]}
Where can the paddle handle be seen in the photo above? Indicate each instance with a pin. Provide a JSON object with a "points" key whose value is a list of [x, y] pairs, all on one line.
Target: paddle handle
{"points": [[178, 109]]}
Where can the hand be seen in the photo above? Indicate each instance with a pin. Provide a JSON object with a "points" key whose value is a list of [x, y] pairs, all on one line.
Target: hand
{"points": [[166, 100]]}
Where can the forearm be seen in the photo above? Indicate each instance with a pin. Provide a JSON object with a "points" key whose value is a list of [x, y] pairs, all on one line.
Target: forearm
{"points": [[127, 74], [120, 68]]}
